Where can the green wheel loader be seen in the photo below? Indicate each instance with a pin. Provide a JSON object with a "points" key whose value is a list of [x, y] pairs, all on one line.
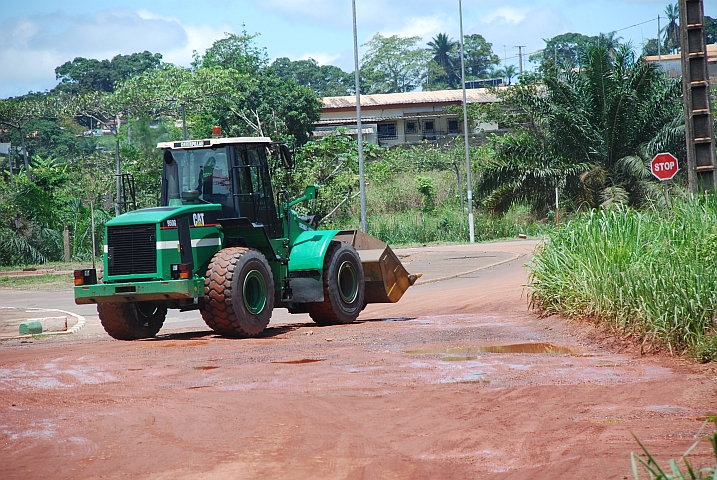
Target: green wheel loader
{"points": [[222, 242]]}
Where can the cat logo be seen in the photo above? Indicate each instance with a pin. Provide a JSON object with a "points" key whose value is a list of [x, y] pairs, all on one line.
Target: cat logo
{"points": [[198, 219]]}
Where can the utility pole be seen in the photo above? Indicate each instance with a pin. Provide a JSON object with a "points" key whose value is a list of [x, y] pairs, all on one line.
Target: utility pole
{"points": [[465, 135], [699, 131], [659, 48], [520, 56], [359, 129]]}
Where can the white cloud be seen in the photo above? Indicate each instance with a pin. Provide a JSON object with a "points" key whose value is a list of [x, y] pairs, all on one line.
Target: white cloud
{"points": [[507, 14], [31, 47], [507, 30], [424, 27], [322, 58]]}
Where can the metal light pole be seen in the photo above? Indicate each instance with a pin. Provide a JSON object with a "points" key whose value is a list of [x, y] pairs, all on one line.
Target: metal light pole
{"points": [[465, 133], [359, 129]]}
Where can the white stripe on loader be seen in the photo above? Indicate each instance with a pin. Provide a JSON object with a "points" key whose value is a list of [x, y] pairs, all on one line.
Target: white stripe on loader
{"points": [[202, 242]]}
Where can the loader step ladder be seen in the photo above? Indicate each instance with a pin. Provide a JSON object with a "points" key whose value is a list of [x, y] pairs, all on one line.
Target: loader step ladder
{"points": [[128, 201]]}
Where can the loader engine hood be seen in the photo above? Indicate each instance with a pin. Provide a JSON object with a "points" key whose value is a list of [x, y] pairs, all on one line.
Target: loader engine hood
{"points": [[198, 215]]}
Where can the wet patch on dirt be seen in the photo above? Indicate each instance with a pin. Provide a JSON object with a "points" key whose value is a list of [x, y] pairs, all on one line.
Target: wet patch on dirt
{"points": [[302, 361]]}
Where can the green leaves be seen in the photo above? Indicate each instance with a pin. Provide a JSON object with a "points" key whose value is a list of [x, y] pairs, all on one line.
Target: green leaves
{"points": [[392, 64], [569, 122]]}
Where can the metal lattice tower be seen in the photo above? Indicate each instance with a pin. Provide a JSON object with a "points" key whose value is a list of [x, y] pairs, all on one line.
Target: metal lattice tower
{"points": [[699, 131]]}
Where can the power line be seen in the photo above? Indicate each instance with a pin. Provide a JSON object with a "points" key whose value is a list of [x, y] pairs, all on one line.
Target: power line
{"points": [[618, 30]]}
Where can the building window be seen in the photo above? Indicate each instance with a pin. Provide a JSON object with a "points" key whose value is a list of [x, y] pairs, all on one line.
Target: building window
{"points": [[387, 131], [429, 126], [411, 127], [453, 125]]}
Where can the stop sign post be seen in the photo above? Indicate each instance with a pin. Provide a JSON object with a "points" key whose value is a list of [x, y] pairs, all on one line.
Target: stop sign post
{"points": [[664, 166]]}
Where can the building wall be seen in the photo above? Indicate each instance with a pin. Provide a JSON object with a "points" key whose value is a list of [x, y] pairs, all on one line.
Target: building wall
{"points": [[393, 125]]}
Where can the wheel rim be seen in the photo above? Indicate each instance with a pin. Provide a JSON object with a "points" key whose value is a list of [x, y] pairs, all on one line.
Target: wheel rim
{"points": [[146, 311], [254, 291], [348, 282]]}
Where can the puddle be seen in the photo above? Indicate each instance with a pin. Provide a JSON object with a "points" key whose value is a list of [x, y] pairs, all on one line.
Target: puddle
{"points": [[398, 319], [206, 367], [544, 348], [605, 420], [303, 360], [459, 359], [438, 351]]}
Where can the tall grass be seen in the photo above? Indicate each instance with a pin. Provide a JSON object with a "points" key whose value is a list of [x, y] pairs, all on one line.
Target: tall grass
{"points": [[445, 226], [651, 274]]}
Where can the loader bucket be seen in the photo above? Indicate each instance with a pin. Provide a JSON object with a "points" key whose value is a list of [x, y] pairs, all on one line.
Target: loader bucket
{"points": [[386, 278]]}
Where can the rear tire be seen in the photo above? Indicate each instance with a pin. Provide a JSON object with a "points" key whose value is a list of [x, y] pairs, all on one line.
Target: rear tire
{"points": [[343, 287], [130, 321], [238, 293]]}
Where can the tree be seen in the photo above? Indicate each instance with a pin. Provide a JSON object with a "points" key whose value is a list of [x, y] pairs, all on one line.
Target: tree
{"points": [[672, 29], [234, 51], [711, 29], [259, 102], [564, 49], [609, 41], [393, 64], [650, 48], [509, 72], [46, 138], [16, 114], [88, 75], [589, 132], [324, 80], [479, 56], [445, 53], [172, 91]]}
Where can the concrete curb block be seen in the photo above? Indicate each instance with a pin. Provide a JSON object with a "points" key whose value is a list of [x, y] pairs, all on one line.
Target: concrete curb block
{"points": [[442, 279], [76, 328]]}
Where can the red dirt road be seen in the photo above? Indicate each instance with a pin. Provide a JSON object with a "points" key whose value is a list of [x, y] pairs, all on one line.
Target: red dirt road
{"points": [[440, 385]]}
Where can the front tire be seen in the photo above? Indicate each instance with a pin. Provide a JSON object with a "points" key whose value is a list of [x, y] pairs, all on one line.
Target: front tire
{"points": [[131, 321], [238, 293], [343, 287]]}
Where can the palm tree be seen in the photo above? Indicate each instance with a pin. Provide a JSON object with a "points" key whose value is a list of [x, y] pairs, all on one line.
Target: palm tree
{"points": [[444, 51], [672, 29], [609, 41], [586, 132], [509, 72]]}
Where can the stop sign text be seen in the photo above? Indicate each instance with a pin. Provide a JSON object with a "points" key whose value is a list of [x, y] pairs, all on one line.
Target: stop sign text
{"points": [[664, 166]]}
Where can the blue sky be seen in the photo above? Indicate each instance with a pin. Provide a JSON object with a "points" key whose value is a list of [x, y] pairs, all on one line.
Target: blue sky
{"points": [[36, 36]]}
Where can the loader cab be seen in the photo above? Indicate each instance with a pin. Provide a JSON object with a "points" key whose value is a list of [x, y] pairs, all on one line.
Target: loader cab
{"points": [[233, 173]]}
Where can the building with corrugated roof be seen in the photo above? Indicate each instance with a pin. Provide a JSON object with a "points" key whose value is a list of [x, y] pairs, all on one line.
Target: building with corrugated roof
{"points": [[672, 64], [402, 118]]}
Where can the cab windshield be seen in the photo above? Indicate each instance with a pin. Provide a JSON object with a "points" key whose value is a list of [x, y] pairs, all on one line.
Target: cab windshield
{"points": [[201, 174], [234, 176]]}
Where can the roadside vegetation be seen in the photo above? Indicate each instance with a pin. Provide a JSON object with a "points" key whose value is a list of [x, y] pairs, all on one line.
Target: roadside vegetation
{"points": [[649, 274]]}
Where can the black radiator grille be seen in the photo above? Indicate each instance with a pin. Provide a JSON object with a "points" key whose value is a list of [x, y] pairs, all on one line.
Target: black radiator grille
{"points": [[132, 249]]}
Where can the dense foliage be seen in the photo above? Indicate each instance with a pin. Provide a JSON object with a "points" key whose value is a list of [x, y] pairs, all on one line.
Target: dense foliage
{"points": [[647, 273], [588, 132]]}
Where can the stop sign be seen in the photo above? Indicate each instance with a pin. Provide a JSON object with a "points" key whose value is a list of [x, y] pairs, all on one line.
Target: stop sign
{"points": [[664, 166]]}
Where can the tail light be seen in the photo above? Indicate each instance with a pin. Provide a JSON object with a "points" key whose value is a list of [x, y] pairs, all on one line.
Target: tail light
{"points": [[85, 277], [181, 271]]}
